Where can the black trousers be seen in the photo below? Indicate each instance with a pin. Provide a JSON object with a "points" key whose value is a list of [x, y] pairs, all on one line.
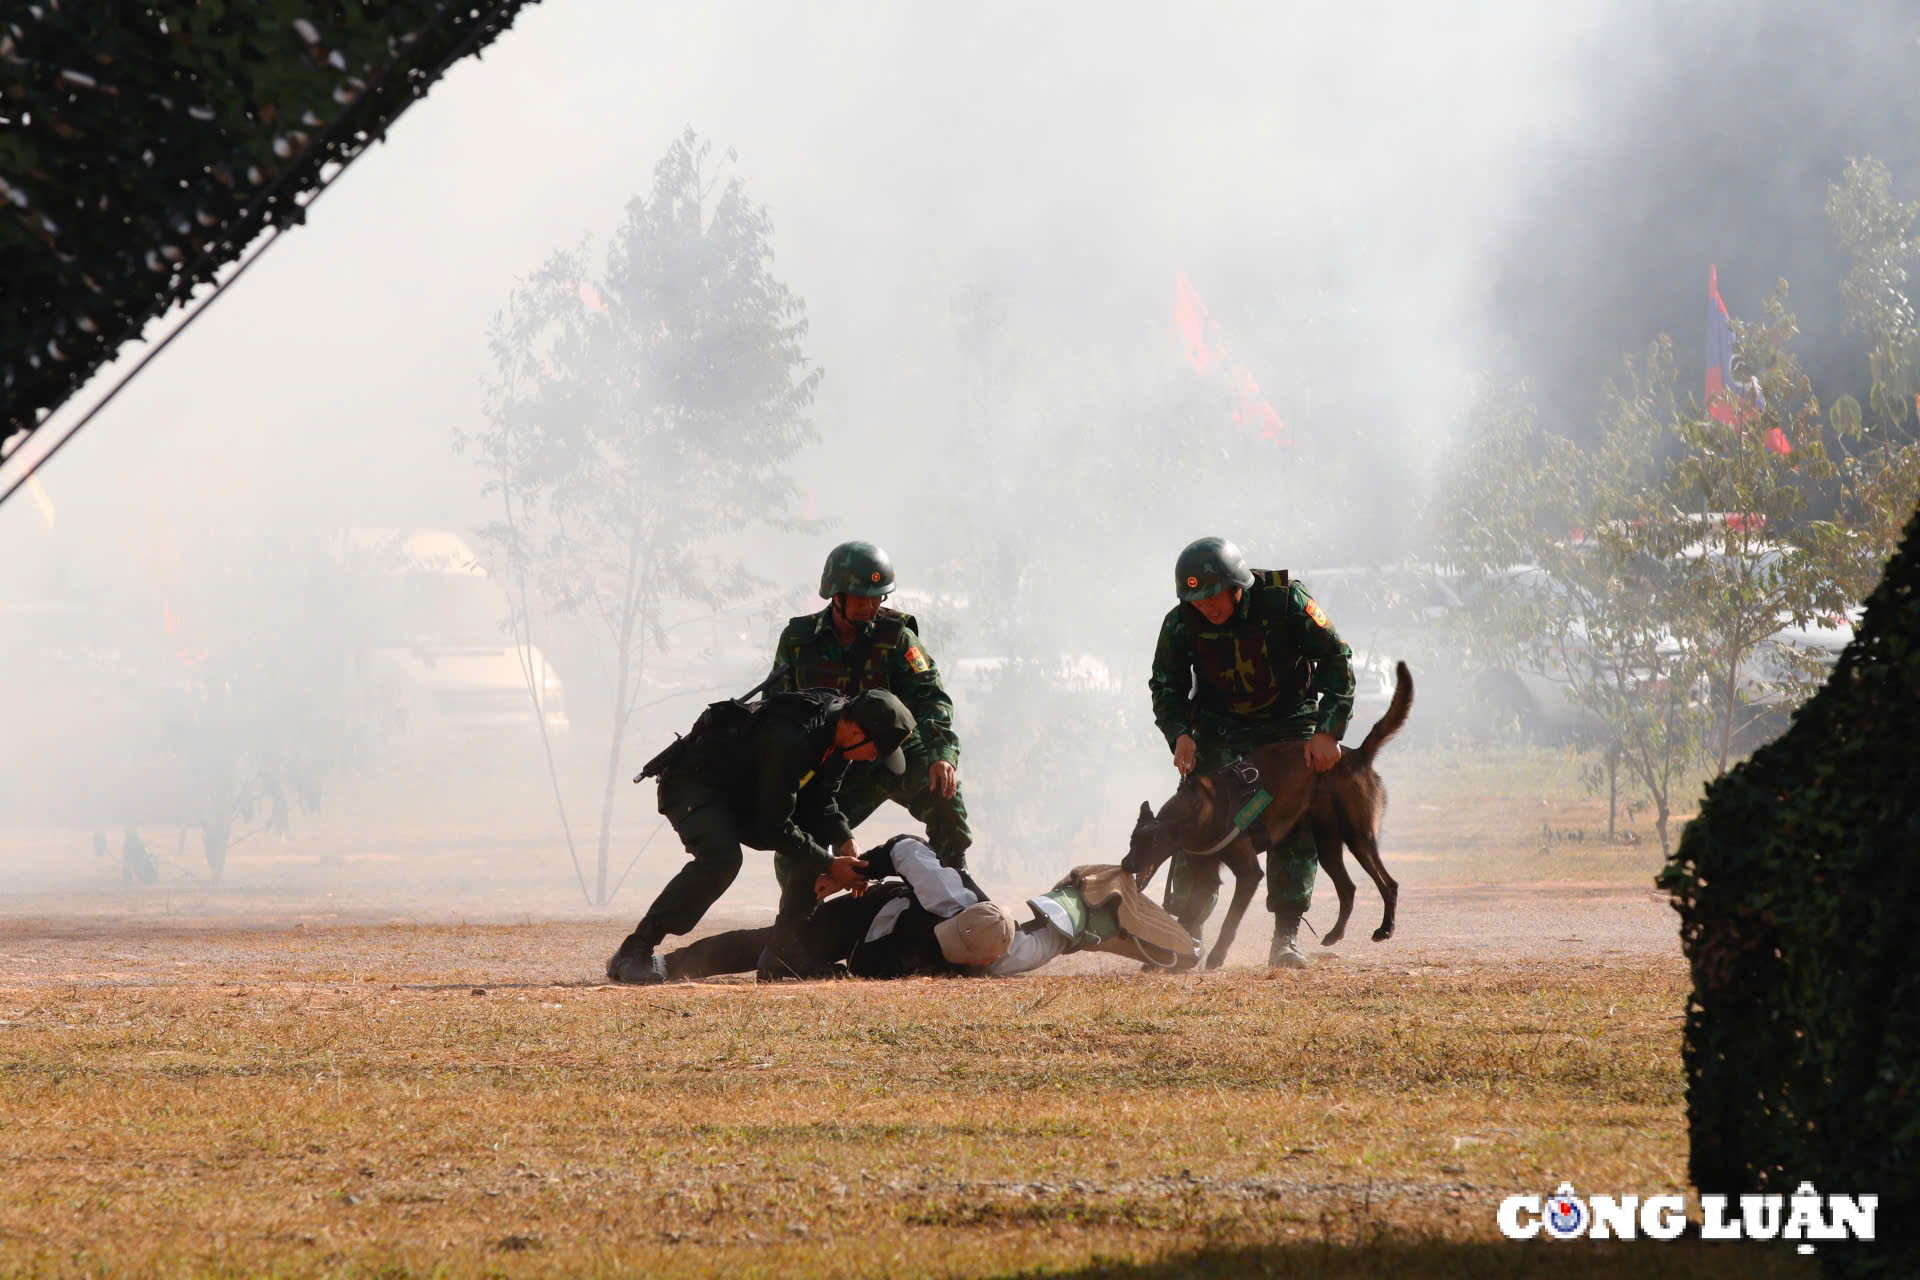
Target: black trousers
{"points": [[809, 950], [708, 828]]}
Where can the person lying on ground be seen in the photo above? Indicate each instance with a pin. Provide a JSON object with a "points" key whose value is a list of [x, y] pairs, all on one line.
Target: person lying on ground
{"points": [[913, 916], [895, 929]]}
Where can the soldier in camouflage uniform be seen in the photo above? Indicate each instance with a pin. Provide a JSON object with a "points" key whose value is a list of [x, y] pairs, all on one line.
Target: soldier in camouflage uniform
{"points": [[855, 644], [1246, 659]]}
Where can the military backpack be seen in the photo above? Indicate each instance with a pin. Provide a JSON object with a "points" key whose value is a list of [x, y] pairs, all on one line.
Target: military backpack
{"points": [[723, 728]]}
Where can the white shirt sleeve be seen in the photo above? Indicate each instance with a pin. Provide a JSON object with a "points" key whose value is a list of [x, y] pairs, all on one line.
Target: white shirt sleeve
{"points": [[938, 889], [1032, 947]]}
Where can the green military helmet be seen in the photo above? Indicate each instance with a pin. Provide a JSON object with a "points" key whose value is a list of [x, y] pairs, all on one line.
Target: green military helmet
{"points": [[1208, 567], [856, 569]]}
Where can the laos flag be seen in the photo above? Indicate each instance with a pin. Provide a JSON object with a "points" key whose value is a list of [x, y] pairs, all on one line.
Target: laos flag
{"points": [[1735, 405], [1720, 406]]}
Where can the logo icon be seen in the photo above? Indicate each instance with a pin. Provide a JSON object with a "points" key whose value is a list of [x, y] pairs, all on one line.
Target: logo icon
{"points": [[1566, 1215], [1193, 582], [876, 575]]}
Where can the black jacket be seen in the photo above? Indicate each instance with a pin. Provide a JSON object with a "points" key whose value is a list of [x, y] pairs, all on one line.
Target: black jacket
{"points": [[781, 777]]}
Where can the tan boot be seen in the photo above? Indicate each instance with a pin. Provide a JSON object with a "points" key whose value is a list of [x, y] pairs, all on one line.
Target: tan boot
{"points": [[1285, 952]]}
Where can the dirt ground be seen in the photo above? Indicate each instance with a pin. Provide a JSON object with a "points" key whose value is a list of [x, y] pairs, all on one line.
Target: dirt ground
{"points": [[1441, 926], [393, 1052]]}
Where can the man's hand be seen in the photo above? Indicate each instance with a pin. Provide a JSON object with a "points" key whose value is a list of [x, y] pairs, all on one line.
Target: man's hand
{"points": [[844, 874], [943, 779], [1323, 752], [1183, 753]]}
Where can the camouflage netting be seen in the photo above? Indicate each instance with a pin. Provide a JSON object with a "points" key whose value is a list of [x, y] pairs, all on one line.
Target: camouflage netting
{"points": [[144, 146], [1798, 888]]}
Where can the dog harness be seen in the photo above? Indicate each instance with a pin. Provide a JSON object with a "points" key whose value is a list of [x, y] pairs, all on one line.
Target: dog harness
{"points": [[1245, 781]]}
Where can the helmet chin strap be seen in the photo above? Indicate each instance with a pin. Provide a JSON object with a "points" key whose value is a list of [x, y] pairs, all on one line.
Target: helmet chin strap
{"points": [[840, 612]]}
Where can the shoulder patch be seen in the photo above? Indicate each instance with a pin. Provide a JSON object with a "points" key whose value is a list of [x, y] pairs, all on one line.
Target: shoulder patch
{"points": [[1318, 614], [917, 660]]}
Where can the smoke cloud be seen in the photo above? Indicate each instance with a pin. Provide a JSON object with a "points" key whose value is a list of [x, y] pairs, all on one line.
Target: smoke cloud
{"points": [[987, 215]]}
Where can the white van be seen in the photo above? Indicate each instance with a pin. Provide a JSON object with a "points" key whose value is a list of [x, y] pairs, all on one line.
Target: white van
{"points": [[434, 625]]}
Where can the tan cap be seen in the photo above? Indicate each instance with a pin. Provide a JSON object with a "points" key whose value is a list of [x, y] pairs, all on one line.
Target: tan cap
{"points": [[979, 935]]}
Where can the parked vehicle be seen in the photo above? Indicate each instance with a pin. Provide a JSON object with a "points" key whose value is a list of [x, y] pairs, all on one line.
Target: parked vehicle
{"points": [[434, 631], [1533, 697]]}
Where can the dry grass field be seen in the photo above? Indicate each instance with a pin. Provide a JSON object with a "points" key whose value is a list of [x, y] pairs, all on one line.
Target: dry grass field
{"points": [[307, 1085]]}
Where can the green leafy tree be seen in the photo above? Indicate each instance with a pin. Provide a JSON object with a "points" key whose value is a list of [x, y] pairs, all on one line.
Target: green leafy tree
{"points": [[644, 405], [1760, 560], [1563, 551], [1881, 442]]}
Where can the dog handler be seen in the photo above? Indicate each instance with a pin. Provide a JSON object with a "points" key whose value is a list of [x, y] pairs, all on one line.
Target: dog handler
{"points": [[772, 787], [1248, 658]]}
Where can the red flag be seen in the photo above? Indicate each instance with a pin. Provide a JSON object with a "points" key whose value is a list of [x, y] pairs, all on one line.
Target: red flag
{"points": [[1205, 351], [1191, 315], [1734, 404], [1720, 406]]}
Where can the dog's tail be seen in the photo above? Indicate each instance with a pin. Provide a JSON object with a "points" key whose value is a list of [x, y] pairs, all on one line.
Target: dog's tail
{"points": [[1390, 723]]}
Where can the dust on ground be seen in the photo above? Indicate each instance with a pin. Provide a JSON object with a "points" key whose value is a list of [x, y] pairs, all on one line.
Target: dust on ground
{"points": [[150, 939]]}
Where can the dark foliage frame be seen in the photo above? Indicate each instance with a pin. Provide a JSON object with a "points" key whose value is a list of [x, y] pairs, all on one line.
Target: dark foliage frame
{"points": [[144, 147], [1798, 889]]}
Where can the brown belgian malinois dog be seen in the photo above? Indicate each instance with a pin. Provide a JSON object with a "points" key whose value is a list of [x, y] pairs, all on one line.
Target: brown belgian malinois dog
{"points": [[1344, 804]]}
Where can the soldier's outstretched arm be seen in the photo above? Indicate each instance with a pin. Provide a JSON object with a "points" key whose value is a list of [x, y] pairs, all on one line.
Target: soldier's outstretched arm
{"points": [[1332, 663], [817, 812], [1171, 683], [779, 761], [915, 680]]}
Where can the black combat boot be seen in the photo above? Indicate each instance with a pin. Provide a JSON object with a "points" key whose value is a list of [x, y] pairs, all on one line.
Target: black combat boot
{"points": [[1285, 952], [635, 962]]}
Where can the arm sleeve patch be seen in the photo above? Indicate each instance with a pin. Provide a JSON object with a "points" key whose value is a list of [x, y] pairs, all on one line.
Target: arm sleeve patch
{"points": [[918, 662], [1318, 614]]}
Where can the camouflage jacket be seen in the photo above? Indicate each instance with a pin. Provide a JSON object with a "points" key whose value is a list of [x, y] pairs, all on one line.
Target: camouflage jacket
{"points": [[1276, 667], [895, 660]]}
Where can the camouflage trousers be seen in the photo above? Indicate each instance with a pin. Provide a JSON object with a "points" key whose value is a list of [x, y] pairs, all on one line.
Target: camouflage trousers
{"points": [[1193, 885], [867, 786]]}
